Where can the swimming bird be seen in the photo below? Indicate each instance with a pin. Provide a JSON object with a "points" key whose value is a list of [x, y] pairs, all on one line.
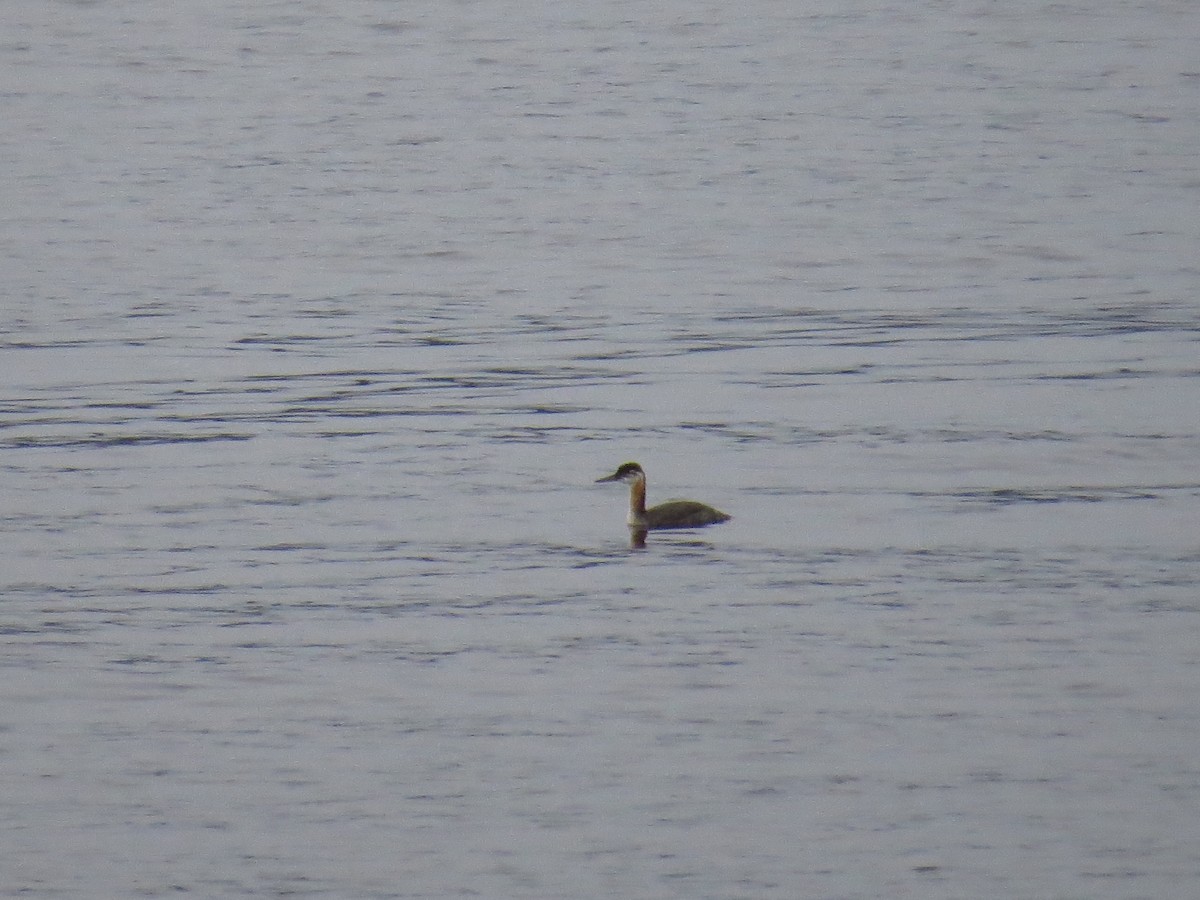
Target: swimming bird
{"points": [[672, 514]]}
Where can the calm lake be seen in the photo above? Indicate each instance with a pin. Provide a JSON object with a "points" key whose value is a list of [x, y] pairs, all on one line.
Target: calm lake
{"points": [[319, 320]]}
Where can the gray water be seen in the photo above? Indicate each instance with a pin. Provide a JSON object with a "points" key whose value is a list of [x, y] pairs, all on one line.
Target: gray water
{"points": [[320, 319]]}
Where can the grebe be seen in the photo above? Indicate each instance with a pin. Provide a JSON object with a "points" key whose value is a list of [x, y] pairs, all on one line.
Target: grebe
{"points": [[672, 514]]}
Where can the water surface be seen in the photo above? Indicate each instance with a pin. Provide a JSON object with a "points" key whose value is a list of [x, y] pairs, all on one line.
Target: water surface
{"points": [[319, 321]]}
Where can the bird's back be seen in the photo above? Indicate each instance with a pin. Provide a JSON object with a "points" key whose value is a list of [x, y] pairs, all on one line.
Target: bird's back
{"points": [[683, 514]]}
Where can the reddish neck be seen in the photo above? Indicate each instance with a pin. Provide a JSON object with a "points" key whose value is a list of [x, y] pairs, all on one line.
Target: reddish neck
{"points": [[637, 497]]}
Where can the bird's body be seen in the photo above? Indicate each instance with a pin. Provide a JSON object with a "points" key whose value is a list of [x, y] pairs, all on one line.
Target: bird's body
{"points": [[671, 514], [683, 514]]}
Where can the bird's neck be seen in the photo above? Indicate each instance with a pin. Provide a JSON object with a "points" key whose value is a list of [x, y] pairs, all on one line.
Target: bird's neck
{"points": [[637, 501]]}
